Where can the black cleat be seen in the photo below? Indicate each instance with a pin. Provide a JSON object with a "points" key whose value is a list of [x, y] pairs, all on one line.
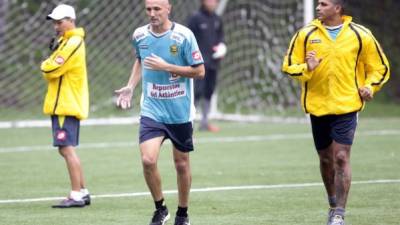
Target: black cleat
{"points": [[69, 203], [160, 216], [179, 220], [87, 199]]}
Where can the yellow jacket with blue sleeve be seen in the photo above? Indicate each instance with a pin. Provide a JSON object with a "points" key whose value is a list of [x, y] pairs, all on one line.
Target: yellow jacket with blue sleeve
{"points": [[355, 59], [65, 72]]}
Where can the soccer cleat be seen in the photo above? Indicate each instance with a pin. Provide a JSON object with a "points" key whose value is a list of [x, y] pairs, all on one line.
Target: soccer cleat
{"points": [[210, 128], [179, 220], [337, 220], [69, 203], [213, 128], [160, 216], [330, 215], [87, 199]]}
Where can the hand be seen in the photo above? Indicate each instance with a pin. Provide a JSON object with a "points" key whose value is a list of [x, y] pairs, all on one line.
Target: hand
{"points": [[219, 51], [365, 93], [312, 61], [155, 62], [53, 44], [124, 97]]}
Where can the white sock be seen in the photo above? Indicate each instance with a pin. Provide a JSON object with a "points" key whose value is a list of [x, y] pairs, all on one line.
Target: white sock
{"points": [[84, 191], [76, 195]]}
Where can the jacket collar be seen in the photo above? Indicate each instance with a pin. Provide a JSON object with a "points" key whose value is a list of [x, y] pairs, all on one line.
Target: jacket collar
{"points": [[346, 21], [74, 32]]}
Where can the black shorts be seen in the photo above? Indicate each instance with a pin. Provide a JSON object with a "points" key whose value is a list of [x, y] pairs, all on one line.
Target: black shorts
{"points": [[181, 135], [340, 128], [205, 87], [65, 130]]}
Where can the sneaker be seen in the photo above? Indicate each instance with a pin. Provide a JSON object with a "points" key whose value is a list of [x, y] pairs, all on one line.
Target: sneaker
{"points": [[160, 216], [69, 203], [181, 220], [87, 199], [330, 215], [337, 220]]}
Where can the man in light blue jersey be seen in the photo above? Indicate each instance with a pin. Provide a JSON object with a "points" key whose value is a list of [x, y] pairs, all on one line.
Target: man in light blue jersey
{"points": [[168, 58]]}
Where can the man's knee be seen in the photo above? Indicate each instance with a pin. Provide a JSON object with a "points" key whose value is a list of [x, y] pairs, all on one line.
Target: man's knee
{"points": [[182, 165], [326, 156], [149, 161], [342, 155], [341, 158]]}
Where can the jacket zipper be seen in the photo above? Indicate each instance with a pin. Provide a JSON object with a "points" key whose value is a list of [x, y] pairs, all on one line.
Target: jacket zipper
{"points": [[58, 95]]}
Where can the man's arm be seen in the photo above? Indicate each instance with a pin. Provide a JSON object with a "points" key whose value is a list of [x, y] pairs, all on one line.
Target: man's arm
{"points": [[298, 65], [155, 62], [53, 67], [125, 94], [376, 68]]}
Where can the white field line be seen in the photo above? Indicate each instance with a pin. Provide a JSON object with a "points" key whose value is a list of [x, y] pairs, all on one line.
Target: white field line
{"points": [[272, 137], [135, 120], [194, 190]]}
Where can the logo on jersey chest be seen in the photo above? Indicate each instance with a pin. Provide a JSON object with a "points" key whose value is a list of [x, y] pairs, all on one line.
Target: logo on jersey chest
{"points": [[173, 49], [315, 41]]}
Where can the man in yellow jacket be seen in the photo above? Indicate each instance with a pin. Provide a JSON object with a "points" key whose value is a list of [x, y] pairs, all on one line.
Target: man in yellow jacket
{"points": [[340, 66], [67, 98]]}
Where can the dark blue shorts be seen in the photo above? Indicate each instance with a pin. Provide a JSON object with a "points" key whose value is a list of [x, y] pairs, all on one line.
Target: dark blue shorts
{"points": [[65, 130], [340, 128], [181, 135]]}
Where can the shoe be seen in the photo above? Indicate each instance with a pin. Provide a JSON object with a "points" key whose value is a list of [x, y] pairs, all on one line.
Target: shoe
{"points": [[160, 216], [330, 215], [69, 203], [337, 220], [210, 128], [181, 220], [87, 199]]}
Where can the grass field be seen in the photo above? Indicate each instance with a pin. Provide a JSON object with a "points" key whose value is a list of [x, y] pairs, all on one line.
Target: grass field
{"points": [[263, 174]]}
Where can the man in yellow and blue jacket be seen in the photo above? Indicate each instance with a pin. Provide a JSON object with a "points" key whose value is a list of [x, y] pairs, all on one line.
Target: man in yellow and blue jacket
{"points": [[67, 98], [340, 66]]}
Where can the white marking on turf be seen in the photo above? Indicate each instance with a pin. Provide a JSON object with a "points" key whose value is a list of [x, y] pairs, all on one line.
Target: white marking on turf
{"points": [[271, 137], [209, 189]]}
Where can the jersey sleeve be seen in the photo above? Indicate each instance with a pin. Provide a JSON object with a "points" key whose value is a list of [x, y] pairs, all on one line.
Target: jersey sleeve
{"points": [[192, 54], [375, 63], [220, 31], [53, 67], [294, 62], [135, 46]]}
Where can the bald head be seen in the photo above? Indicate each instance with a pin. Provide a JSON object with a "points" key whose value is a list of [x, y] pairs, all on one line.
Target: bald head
{"points": [[162, 2], [158, 13]]}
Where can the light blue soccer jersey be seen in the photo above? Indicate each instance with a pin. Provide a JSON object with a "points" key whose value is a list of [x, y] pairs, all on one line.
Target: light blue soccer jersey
{"points": [[167, 98]]}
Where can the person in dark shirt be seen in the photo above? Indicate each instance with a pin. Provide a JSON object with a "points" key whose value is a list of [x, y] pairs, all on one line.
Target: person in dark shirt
{"points": [[208, 29]]}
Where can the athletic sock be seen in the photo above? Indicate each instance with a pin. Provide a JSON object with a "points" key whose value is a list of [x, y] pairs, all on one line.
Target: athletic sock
{"points": [[182, 211], [340, 212], [332, 201], [76, 195], [84, 191], [159, 204]]}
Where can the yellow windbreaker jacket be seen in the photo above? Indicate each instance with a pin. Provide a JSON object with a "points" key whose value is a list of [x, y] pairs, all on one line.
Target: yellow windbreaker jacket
{"points": [[65, 72], [353, 60]]}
